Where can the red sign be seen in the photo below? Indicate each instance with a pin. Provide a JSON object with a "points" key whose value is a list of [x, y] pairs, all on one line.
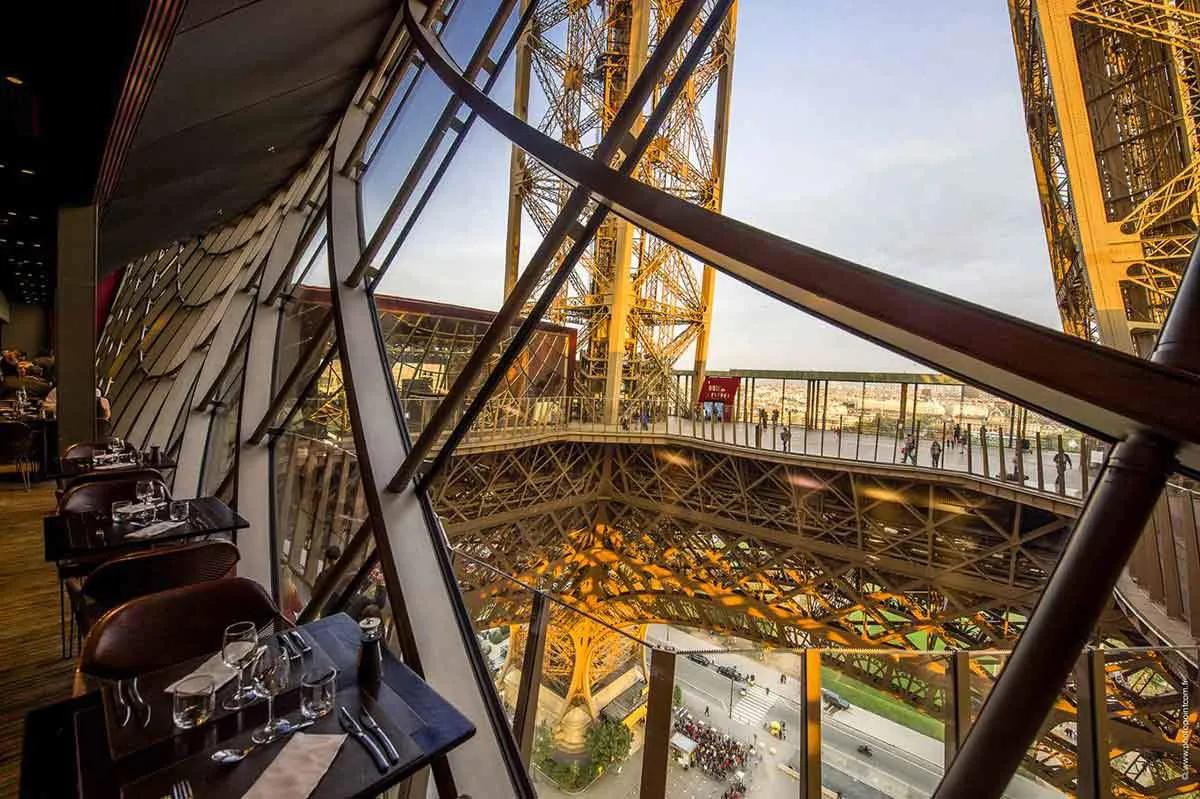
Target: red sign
{"points": [[719, 389]]}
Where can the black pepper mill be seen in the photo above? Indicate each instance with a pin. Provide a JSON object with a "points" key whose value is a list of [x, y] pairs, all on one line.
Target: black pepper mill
{"points": [[370, 654]]}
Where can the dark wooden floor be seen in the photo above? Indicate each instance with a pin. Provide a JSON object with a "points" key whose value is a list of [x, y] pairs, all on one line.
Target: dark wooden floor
{"points": [[31, 672]]}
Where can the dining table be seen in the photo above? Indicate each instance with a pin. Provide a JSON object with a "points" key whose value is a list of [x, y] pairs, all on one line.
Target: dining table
{"points": [[77, 535], [76, 467], [86, 748]]}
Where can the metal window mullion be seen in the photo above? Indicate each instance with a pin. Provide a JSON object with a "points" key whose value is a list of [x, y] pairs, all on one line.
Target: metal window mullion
{"points": [[253, 460], [529, 689], [195, 432], [429, 149], [657, 746], [314, 345], [399, 522]]}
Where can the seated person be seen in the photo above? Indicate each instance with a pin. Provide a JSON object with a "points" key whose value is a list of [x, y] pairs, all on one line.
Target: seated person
{"points": [[10, 366]]}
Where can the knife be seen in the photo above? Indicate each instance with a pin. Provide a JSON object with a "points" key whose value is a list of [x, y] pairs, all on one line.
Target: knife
{"points": [[289, 648], [299, 641], [351, 726], [371, 724]]}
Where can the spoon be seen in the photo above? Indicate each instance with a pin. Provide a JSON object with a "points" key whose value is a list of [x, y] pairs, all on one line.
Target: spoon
{"points": [[228, 757]]}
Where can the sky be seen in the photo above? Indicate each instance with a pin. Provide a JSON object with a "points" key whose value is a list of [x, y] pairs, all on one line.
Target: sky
{"points": [[891, 134]]}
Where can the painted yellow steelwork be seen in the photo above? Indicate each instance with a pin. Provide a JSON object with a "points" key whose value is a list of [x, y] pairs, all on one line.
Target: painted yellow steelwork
{"points": [[1111, 94], [639, 304]]}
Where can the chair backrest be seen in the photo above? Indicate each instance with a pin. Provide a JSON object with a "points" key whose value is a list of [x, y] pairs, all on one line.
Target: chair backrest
{"points": [[117, 581], [163, 629], [98, 497], [133, 473], [16, 440], [85, 450]]}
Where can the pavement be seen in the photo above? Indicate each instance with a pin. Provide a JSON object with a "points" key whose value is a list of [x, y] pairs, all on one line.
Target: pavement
{"points": [[905, 763], [886, 449]]}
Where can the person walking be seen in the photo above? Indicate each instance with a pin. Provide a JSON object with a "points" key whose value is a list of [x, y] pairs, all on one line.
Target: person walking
{"points": [[1062, 462], [935, 453]]}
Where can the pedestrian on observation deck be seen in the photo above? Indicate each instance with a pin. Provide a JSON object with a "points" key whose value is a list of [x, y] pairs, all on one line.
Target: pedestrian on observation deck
{"points": [[775, 417], [935, 453], [785, 435], [957, 440], [1062, 461]]}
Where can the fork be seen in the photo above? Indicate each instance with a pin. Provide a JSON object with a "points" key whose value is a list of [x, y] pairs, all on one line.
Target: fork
{"points": [[182, 789]]}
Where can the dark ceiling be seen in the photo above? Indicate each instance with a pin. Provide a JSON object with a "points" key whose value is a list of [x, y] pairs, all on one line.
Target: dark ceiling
{"points": [[60, 76], [246, 94]]}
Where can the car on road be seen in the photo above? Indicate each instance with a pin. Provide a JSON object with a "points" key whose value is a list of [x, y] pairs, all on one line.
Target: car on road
{"points": [[731, 672], [703, 660], [833, 701]]}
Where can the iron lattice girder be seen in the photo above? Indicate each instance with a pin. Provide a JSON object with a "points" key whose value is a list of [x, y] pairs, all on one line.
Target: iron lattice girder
{"points": [[580, 54], [1114, 147], [795, 553]]}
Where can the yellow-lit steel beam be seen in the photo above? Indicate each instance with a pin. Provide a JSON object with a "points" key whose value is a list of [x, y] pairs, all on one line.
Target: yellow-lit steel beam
{"points": [[1105, 249], [636, 38]]}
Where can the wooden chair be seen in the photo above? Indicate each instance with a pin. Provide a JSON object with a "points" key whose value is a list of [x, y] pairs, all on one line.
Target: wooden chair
{"points": [[133, 473], [159, 630], [98, 497], [18, 449], [117, 581]]}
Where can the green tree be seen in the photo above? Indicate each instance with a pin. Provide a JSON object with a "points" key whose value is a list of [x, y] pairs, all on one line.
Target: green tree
{"points": [[677, 696], [543, 744], [608, 742]]}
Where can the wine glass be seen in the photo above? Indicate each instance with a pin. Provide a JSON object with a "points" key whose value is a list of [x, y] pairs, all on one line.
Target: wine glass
{"points": [[144, 490], [271, 674], [237, 652]]}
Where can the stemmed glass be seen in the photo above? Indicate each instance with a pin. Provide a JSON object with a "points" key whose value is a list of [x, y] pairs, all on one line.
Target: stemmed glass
{"points": [[144, 490], [271, 675], [237, 652]]}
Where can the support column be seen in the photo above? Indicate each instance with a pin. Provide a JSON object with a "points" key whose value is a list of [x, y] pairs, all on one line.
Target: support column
{"points": [[1106, 251], [74, 324], [512, 252], [958, 711], [809, 759], [525, 715], [622, 296], [1094, 771], [656, 749]]}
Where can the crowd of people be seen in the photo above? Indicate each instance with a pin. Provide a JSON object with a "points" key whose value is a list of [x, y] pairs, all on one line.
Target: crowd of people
{"points": [[717, 754]]}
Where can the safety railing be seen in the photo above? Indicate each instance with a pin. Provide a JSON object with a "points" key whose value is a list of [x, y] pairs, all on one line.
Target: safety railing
{"points": [[1041, 457], [615, 710]]}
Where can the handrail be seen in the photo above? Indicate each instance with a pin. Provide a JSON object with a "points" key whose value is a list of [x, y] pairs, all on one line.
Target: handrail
{"points": [[1047, 370]]}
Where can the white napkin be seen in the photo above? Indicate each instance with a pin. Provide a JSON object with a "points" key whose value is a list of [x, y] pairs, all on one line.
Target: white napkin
{"points": [[298, 768], [158, 528], [106, 467], [213, 667]]}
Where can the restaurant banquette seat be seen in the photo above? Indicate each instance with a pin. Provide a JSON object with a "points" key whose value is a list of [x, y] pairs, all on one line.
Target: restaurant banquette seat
{"points": [[162, 629], [116, 581]]}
